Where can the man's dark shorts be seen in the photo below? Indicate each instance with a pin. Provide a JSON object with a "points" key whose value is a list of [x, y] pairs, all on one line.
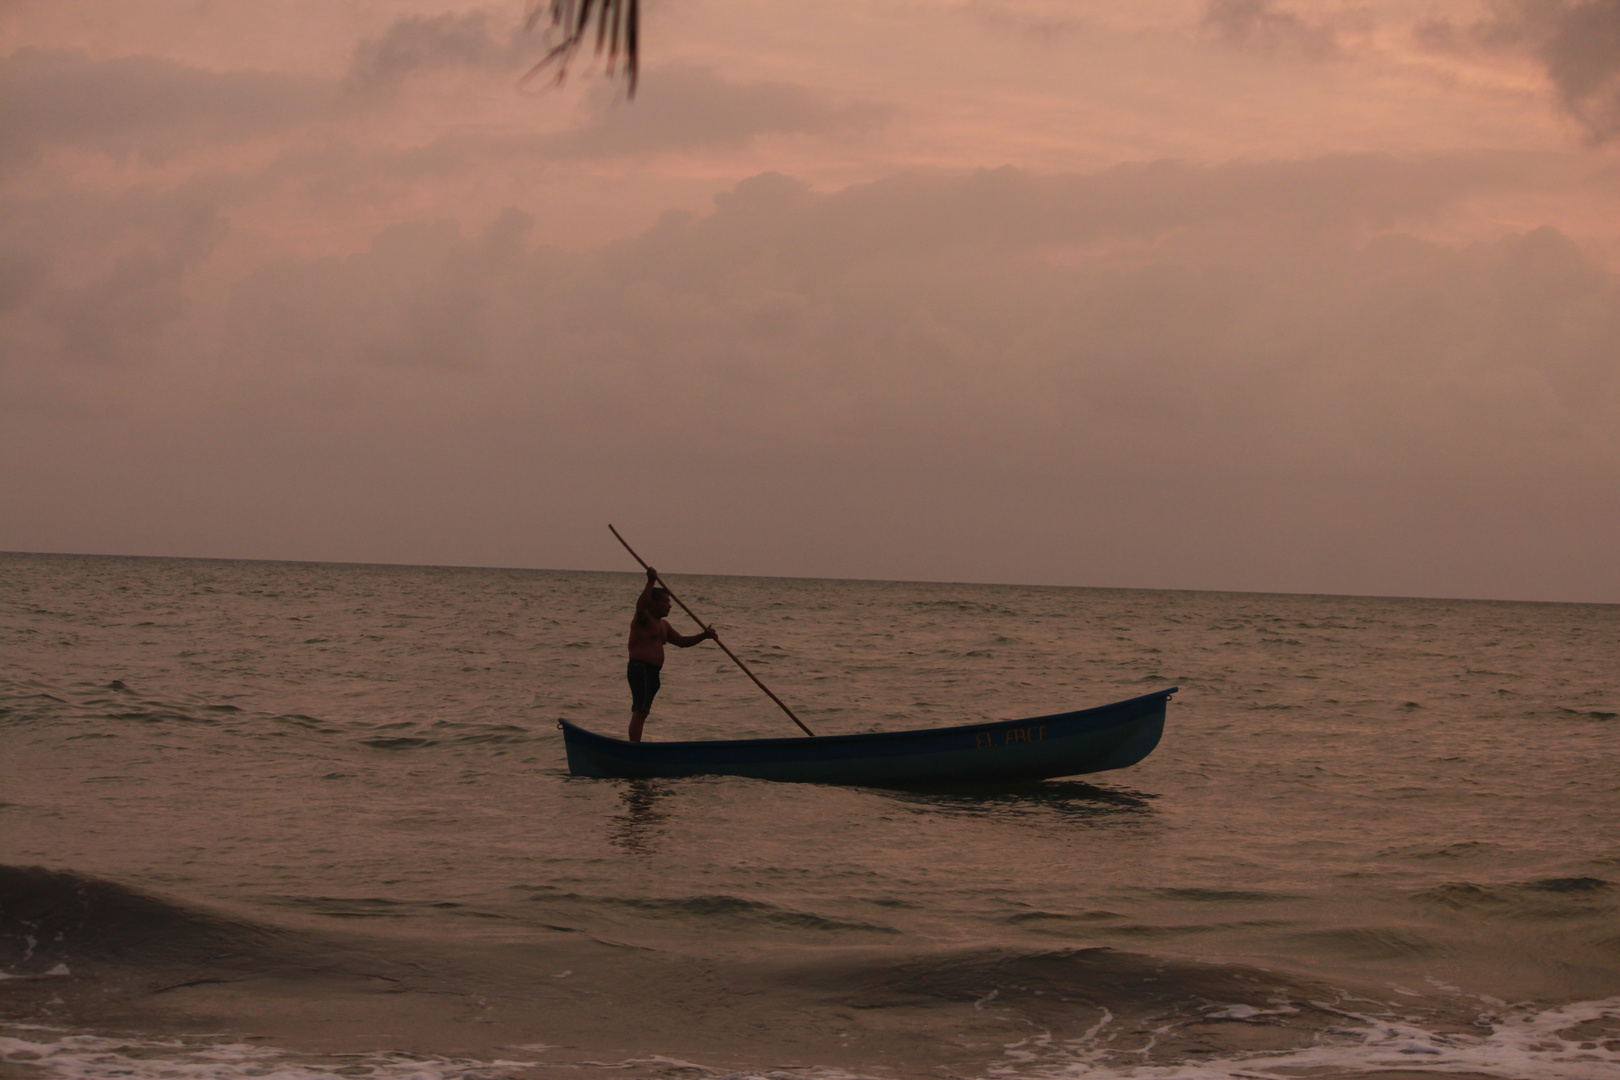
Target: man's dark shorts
{"points": [[643, 685]]}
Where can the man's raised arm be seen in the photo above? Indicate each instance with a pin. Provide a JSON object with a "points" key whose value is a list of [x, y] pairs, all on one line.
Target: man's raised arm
{"points": [[644, 601]]}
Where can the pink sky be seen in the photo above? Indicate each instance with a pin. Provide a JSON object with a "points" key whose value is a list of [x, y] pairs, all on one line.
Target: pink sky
{"points": [[1221, 294]]}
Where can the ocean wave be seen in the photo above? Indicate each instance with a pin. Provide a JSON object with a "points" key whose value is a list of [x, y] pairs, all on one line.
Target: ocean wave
{"points": [[1029, 1014], [113, 704], [48, 1053], [1591, 714], [1102, 1014], [1369, 943], [1539, 899], [398, 742], [1520, 1045], [377, 907], [1570, 1042], [1050, 981], [1221, 896], [1052, 800], [1061, 917], [50, 918], [95, 709], [714, 911], [1579, 1041]]}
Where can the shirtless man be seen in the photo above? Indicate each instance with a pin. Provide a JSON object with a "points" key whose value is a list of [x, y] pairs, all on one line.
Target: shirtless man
{"points": [[649, 631]]}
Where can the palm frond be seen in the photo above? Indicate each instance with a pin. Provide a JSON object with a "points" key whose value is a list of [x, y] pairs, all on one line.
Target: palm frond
{"points": [[616, 34]]}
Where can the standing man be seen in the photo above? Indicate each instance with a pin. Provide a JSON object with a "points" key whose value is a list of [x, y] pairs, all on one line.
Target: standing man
{"points": [[649, 631]]}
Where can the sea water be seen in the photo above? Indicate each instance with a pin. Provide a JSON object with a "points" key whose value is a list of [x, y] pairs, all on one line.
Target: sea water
{"points": [[279, 819]]}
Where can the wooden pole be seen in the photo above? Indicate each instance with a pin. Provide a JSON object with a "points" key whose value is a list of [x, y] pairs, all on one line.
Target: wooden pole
{"points": [[717, 641]]}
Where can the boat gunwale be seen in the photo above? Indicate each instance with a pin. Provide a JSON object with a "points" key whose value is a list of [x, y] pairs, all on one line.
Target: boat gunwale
{"points": [[870, 736]]}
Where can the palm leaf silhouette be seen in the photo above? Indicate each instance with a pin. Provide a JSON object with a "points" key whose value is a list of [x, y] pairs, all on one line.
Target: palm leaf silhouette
{"points": [[617, 34]]}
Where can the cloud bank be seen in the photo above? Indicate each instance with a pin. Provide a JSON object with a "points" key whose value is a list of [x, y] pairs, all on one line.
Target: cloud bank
{"points": [[1248, 376], [1227, 324], [1262, 24], [1577, 42], [141, 105]]}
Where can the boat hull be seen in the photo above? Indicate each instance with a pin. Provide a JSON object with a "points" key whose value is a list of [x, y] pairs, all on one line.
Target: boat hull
{"points": [[1002, 752]]}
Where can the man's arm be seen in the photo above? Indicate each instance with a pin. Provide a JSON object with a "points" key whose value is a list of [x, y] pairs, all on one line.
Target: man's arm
{"points": [[686, 641], [644, 614]]}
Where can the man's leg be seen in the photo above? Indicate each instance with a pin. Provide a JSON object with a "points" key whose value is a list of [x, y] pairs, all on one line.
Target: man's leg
{"points": [[643, 688]]}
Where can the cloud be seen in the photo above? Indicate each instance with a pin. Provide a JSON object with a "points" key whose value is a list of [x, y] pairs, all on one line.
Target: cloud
{"points": [[21, 274], [115, 316], [1037, 25], [1008, 207], [774, 253], [1261, 24], [1247, 376], [1577, 43], [687, 108], [1582, 55], [418, 298], [682, 109], [414, 44], [1239, 317], [127, 259], [140, 105]]}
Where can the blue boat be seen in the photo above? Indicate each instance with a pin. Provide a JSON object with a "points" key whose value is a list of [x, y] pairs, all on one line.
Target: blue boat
{"points": [[1000, 752]]}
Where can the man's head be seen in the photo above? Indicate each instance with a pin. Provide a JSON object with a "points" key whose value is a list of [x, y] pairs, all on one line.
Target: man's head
{"points": [[660, 602]]}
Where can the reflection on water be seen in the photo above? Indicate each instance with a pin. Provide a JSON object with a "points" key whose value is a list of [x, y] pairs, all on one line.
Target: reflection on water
{"points": [[638, 830]]}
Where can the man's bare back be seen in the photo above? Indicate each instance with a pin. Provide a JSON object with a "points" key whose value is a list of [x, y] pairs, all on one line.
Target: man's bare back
{"points": [[649, 633]]}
